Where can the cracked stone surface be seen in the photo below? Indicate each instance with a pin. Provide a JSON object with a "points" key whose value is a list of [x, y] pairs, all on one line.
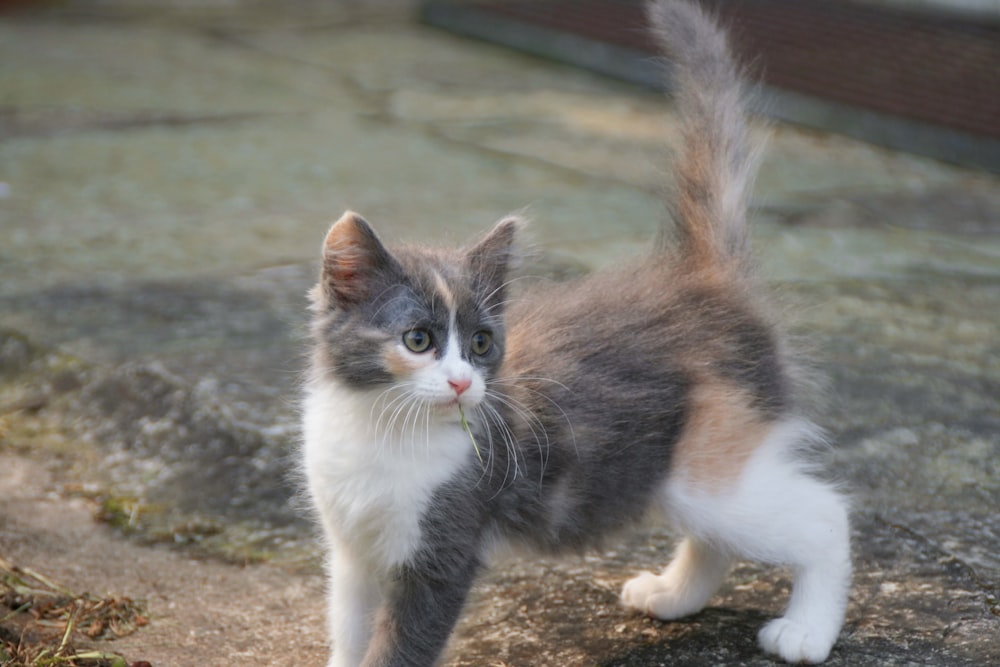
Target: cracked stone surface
{"points": [[167, 173]]}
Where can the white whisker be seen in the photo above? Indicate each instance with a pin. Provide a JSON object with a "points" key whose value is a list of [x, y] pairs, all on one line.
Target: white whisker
{"points": [[510, 442], [485, 298], [399, 401], [531, 421], [427, 430], [412, 412], [490, 455], [487, 417], [408, 399], [521, 383], [492, 417]]}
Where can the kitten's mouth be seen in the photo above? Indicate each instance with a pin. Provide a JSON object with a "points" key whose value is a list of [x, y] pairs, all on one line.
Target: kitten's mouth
{"points": [[447, 406], [442, 406]]}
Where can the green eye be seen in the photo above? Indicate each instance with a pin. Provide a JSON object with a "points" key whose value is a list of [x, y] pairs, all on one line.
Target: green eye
{"points": [[417, 340], [481, 342]]}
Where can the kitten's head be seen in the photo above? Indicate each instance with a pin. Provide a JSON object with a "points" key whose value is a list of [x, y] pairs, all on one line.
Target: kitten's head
{"points": [[428, 322]]}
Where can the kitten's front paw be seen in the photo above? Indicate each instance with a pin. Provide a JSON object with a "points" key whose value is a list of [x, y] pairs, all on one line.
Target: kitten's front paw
{"points": [[660, 597], [794, 642]]}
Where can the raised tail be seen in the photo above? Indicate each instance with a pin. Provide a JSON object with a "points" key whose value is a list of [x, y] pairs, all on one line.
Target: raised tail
{"points": [[716, 162]]}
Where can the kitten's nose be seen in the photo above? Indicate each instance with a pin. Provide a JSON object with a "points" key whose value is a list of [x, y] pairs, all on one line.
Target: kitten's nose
{"points": [[460, 385]]}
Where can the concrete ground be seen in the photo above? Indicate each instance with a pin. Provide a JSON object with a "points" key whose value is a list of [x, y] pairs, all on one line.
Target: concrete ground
{"points": [[166, 178]]}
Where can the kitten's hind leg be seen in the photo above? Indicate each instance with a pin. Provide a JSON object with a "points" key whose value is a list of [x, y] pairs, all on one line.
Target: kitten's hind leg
{"points": [[777, 513], [684, 587], [817, 546], [810, 532]]}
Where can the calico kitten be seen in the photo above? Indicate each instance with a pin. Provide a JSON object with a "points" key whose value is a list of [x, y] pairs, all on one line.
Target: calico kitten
{"points": [[661, 383]]}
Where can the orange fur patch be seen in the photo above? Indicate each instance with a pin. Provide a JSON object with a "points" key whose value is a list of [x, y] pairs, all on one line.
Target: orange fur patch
{"points": [[722, 432], [444, 292], [343, 235], [399, 364]]}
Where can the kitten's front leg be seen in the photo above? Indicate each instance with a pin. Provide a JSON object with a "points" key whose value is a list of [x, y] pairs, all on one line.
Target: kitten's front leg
{"points": [[420, 610], [352, 599]]}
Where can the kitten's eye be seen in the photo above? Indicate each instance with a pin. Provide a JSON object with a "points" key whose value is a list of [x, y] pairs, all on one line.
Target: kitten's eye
{"points": [[417, 340], [481, 342]]}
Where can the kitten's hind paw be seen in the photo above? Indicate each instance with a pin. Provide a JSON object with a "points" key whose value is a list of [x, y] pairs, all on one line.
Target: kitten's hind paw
{"points": [[660, 597], [637, 589], [794, 642]]}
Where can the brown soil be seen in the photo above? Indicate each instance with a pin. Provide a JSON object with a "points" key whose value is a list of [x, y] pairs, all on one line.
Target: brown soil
{"points": [[201, 612]]}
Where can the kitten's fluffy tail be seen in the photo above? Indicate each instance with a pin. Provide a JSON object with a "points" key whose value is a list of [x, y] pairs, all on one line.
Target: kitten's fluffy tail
{"points": [[716, 161]]}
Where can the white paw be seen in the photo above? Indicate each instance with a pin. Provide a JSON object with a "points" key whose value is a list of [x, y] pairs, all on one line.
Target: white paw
{"points": [[637, 589], [794, 642], [659, 597]]}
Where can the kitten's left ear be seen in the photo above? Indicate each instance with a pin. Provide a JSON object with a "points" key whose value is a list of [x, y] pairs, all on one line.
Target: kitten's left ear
{"points": [[491, 258]]}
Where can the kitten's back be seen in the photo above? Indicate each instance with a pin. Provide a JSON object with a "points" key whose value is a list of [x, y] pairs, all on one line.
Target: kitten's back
{"points": [[668, 361]]}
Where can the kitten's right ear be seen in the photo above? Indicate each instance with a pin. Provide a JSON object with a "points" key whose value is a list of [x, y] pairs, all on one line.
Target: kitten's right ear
{"points": [[491, 259], [353, 260]]}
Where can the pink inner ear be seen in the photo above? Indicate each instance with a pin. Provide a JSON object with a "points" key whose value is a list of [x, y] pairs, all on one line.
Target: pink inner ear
{"points": [[345, 233], [341, 273], [347, 258]]}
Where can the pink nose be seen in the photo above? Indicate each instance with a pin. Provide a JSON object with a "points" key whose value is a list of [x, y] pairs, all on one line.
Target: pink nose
{"points": [[460, 385]]}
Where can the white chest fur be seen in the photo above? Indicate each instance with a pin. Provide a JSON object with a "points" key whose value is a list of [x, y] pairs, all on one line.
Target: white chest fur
{"points": [[372, 487]]}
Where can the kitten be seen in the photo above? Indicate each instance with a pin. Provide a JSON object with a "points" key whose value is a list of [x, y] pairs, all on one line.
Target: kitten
{"points": [[660, 383]]}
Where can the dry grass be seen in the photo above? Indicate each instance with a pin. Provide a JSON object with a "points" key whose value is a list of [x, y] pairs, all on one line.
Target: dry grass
{"points": [[43, 624]]}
